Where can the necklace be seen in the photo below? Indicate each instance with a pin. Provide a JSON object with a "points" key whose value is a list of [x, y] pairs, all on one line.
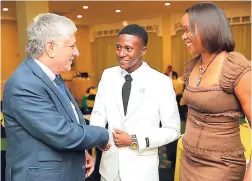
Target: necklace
{"points": [[203, 71]]}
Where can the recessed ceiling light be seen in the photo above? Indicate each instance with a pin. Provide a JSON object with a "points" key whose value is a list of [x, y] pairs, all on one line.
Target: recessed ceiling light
{"points": [[167, 4], [125, 23], [5, 9], [85, 7], [118, 11], [79, 16]]}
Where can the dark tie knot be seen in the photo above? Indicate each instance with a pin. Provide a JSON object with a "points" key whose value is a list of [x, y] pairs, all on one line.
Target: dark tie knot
{"points": [[58, 80], [128, 78]]}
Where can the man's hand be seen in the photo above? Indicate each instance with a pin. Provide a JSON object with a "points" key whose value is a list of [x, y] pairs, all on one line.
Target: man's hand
{"points": [[89, 164], [106, 148], [121, 138]]}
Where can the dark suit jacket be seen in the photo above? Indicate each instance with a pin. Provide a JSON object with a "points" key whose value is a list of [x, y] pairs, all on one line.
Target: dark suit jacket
{"points": [[174, 74], [44, 139]]}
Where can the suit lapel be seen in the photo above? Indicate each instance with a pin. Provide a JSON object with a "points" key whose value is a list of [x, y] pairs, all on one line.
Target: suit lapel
{"points": [[40, 73], [76, 107], [137, 95], [118, 94]]}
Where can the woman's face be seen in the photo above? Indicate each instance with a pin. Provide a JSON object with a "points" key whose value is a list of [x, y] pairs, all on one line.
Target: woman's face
{"points": [[192, 40]]}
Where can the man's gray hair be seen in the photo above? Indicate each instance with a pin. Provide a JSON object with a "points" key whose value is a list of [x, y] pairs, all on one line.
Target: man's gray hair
{"points": [[47, 27]]}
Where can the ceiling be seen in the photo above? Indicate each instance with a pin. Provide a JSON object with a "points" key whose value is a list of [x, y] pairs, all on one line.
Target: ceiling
{"points": [[101, 12]]}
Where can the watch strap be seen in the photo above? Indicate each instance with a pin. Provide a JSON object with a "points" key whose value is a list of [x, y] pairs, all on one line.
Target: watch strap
{"points": [[147, 142]]}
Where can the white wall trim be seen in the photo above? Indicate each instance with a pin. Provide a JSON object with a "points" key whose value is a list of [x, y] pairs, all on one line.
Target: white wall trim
{"points": [[153, 24]]}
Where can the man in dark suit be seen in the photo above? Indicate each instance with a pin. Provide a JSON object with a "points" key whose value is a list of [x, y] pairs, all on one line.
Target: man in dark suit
{"points": [[170, 73], [46, 134]]}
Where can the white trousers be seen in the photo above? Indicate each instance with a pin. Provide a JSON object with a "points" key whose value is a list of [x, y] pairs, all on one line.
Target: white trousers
{"points": [[116, 179]]}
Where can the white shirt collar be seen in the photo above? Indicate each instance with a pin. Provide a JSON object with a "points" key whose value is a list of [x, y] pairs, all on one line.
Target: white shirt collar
{"points": [[47, 71], [137, 74]]}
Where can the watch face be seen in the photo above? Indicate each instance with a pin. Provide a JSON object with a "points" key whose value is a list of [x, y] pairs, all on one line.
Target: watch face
{"points": [[134, 146]]}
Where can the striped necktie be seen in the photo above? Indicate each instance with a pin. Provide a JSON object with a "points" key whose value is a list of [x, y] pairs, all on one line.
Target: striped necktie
{"points": [[61, 86]]}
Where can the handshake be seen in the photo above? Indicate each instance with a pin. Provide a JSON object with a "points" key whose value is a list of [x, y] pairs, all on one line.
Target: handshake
{"points": [[121, 139]]}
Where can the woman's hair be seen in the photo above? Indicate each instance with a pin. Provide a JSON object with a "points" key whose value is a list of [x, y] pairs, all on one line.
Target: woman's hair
{"points": [[47, 27], [213, 27]]}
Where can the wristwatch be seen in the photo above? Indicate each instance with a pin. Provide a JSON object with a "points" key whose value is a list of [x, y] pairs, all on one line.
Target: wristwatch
{"points": [[134, 144]]}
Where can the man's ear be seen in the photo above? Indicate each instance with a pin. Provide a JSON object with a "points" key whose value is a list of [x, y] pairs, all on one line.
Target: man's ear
{"points": [[49, 48], [143, 51]]}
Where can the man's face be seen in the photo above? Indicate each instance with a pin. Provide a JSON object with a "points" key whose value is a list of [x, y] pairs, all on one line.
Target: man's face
{"points": [[129, 52], [65, 51], [169, 68]]}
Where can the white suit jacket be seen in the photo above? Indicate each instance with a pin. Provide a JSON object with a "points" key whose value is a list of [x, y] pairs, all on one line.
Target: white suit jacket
{"points": [[152, 99]]}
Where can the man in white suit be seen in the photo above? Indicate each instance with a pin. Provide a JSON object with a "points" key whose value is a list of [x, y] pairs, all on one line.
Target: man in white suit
{"points": [[134, 124]]}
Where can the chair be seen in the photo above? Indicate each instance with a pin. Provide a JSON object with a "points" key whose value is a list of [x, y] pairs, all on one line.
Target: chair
{"points": [[3, 147], [88, 100], [80, 86]]}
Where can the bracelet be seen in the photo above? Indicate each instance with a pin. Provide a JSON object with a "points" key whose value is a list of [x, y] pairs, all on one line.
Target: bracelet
{"points": [[147, 142]]}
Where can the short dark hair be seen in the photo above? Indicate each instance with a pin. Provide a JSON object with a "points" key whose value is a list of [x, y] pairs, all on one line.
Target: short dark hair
{"points": [[213, 27], [134, 29]]}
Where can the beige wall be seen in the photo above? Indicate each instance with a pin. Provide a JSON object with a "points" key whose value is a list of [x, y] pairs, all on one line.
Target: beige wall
{"points": [[83, 62], [9, 50]]}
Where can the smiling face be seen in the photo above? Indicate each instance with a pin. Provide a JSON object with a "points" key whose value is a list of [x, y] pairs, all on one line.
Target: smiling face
{"points": [[129, 52], [64, 52], [192, 40]]}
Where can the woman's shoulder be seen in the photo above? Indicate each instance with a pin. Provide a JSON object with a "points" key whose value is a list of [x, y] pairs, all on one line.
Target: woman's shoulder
{"points": [[237, 59], [235, 65]]}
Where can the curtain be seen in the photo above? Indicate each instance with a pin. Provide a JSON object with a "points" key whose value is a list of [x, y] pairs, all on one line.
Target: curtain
{"points": [[180, 56], [154, 52], [242, 38], [103, 53]]}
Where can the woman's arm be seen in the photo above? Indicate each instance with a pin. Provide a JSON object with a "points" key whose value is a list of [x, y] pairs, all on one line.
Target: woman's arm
{"points": [[243, 93]]}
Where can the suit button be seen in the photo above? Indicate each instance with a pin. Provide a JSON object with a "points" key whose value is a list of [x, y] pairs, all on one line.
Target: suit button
{"points": [[83, 167]]}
